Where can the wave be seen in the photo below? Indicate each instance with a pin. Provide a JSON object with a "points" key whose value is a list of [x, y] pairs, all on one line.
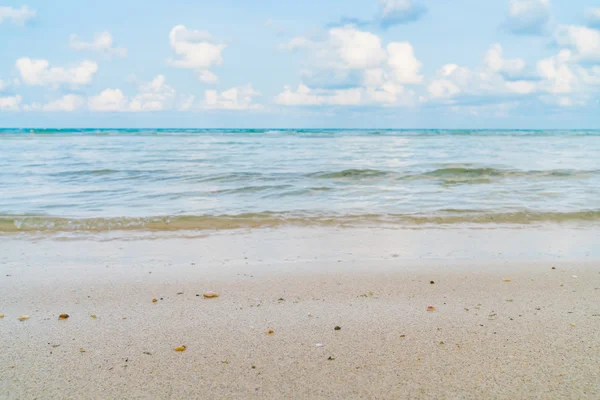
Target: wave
{"points": [[21, 223], [453, 174], [349, 174], [492, 172]]}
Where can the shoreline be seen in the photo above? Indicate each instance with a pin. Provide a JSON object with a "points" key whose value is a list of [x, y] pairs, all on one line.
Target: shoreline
{"points": [[536, 336]]}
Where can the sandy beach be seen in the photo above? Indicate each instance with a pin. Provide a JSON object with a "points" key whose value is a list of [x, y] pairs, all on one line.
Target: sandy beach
{"points": [[507, 327]]}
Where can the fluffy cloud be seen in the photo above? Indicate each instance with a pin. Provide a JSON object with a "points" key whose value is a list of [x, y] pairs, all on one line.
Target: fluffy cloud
{"points": [[352, 67], [404, 66], [395, 12], [108, 100], [498, 77], [563, 77], [69, 102], [39, 73], [583, 41], [155, 95], [236, 98], [17, 16], [556, 80], [102, 42], [527, 17], [496, 62], [10, 103], [356, 49], [196, 50]]}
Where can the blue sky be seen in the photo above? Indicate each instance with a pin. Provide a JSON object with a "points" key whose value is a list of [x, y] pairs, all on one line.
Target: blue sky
{"points": [[350, 63]]}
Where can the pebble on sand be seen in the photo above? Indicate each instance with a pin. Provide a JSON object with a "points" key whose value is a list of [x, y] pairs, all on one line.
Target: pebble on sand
{"points": [[180, 348], [1, 316], [431, 308], [270, 332], [506, 280], [63, 316], [337, 328], [210, 295], [154, 300], [23, 317]]}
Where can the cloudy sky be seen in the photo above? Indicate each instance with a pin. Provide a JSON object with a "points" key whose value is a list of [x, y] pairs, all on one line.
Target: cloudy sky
{"points": [[310, 63]]}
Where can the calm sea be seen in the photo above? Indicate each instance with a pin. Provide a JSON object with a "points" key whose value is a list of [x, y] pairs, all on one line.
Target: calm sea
{"points": [[93, 179]]}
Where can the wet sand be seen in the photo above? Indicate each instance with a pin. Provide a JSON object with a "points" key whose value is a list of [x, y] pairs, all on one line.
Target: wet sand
{"points": [[535, 336]]}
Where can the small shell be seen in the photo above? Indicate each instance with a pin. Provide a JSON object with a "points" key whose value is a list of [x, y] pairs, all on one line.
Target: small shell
{"points": [[154, 300], [23, 317], [210, 295], [431, 308], [93, 316], [63, 316], [180, 348], [270, 332], [506, 280], [1, 316], [320, 345], [572, 325]]}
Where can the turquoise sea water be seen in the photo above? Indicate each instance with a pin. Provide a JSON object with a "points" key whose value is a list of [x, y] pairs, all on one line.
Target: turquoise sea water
{"points": [[201, 179]]}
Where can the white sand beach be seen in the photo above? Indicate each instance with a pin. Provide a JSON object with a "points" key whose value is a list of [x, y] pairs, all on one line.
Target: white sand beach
{"points": [[502, 328]]}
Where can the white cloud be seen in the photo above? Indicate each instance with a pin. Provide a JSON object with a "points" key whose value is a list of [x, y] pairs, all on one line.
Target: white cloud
{"points": [[39, 73], [236, 98], [108, 100], [196, 50], [353, 67], [403, 63], [557, 80], [527, 17], [356, 49], [495, 78], [495, 62], [10, 103], [69, 102], [17, 16], [153, 96], [102, 42], [592, 16], [583, 41], [208, 77], [558, 75], [395, 12]]}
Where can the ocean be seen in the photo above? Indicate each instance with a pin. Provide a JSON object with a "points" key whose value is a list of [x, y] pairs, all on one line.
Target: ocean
{"points": [[198, 179]]}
